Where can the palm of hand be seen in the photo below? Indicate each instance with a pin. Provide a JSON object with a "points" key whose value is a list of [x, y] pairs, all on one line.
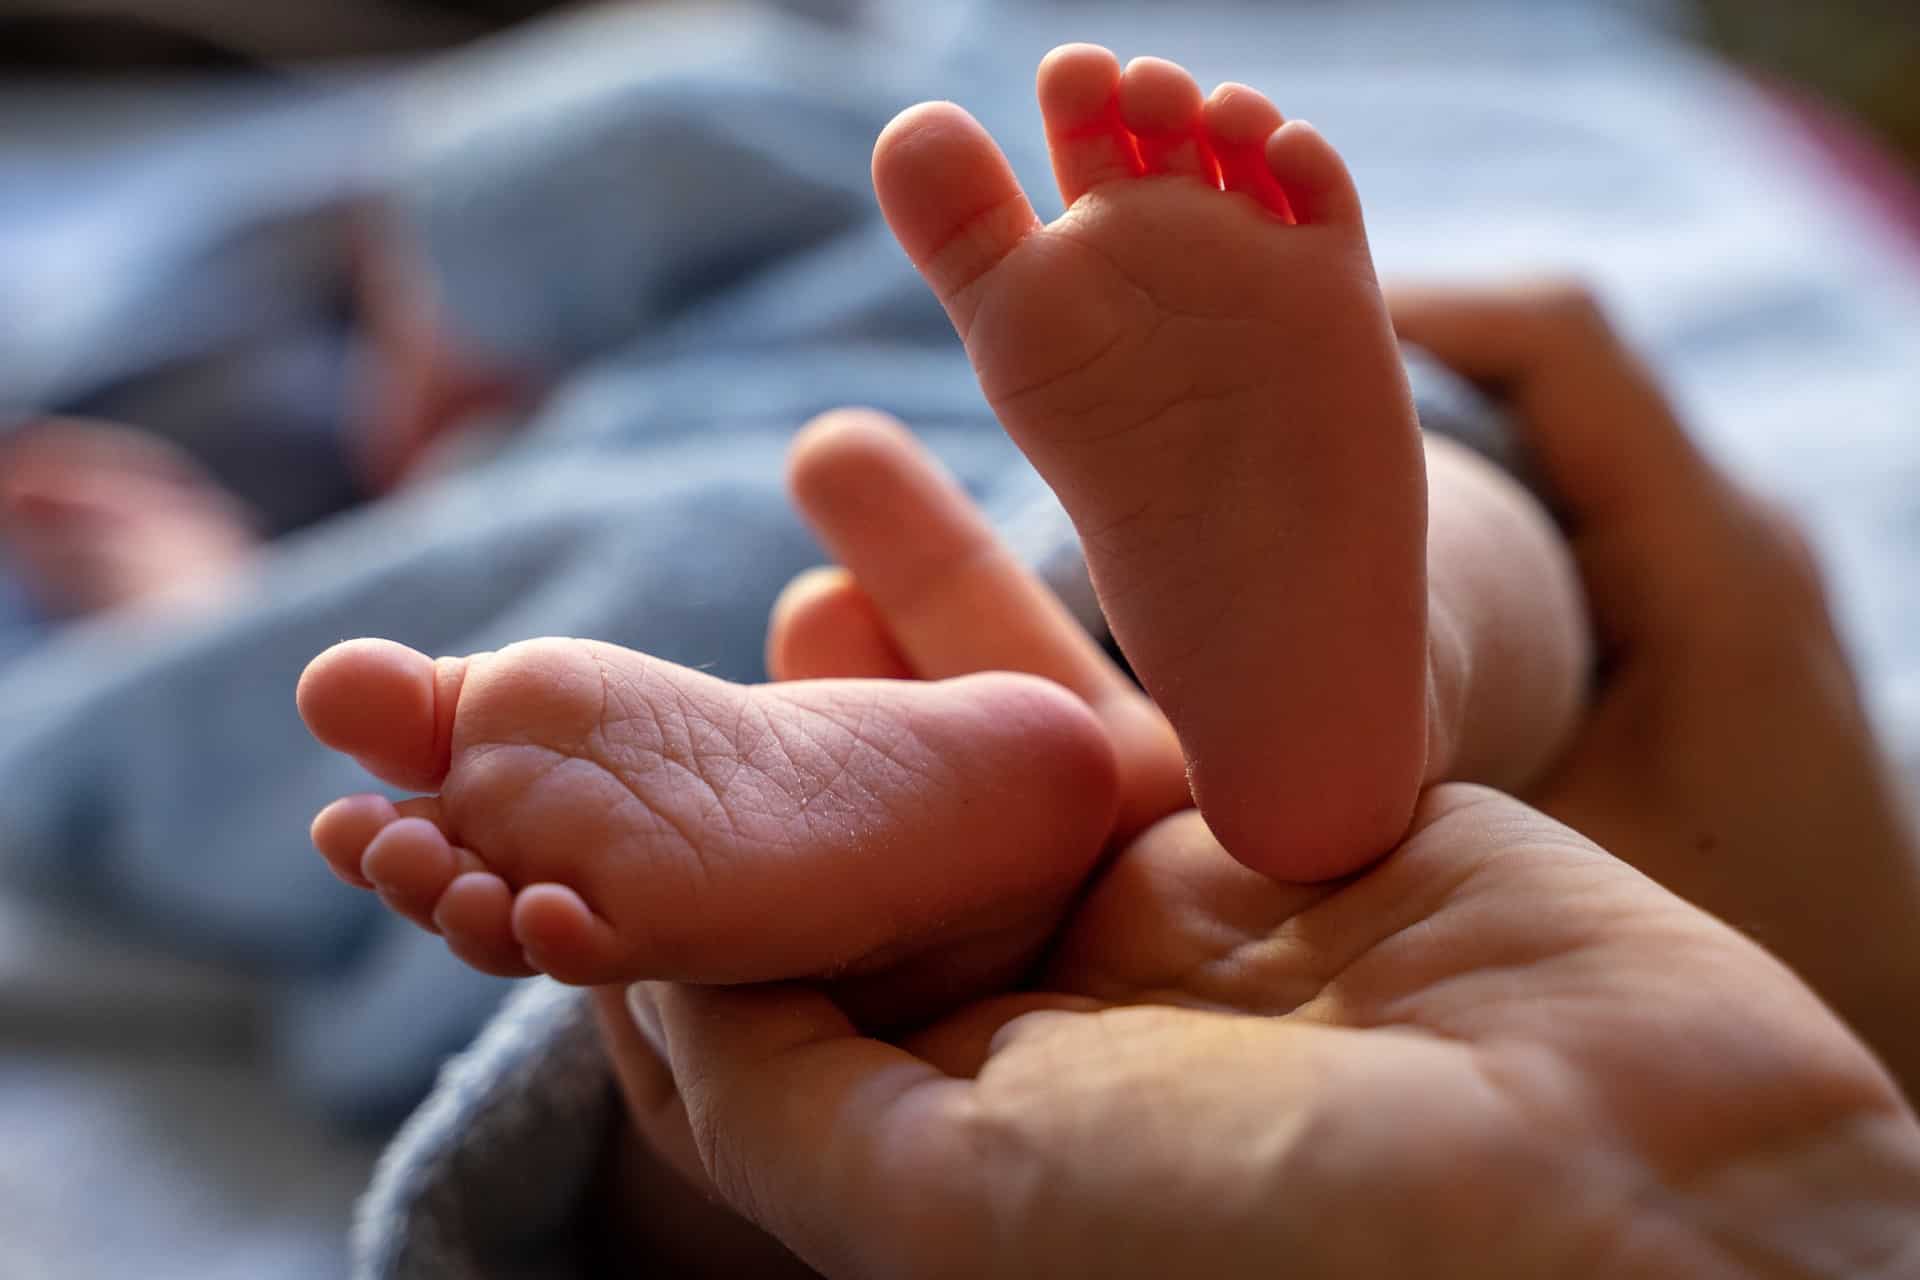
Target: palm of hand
{"points": [[1498, 1003]]}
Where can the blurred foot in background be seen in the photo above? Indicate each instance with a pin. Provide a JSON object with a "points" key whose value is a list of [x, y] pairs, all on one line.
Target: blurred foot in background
{"points": [[420, 402], [96, 517]]}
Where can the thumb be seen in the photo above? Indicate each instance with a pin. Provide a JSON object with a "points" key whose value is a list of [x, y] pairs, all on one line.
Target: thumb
{"points": [[854, 1153], [1656, 527]]}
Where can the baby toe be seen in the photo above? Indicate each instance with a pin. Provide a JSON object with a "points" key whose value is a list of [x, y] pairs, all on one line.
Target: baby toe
{"points": [[410, 864], [474, 915], [1315, 178], [343, 830], [951, 198], [1160, 104], [1238, 121], [387, 706], [1079, 86], [562, 937]]}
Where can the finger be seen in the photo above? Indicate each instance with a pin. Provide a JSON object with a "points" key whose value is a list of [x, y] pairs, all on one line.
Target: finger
{"points": [[1592, 413], [1655, 525], [849, 1150], [955, 599], [922, 551], [825, 626], [961, 1043], [662, 1205], [646, 1082]]}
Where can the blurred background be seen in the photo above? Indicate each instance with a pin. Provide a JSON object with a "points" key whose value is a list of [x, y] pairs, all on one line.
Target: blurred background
{"points": [[461, 321]]}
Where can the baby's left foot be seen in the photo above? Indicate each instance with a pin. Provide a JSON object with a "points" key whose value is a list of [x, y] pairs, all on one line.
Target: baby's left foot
{"points": [[603, 816]]}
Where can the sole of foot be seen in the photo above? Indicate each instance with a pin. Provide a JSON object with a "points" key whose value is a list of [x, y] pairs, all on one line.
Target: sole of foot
{"points": [[600, 815], [1197, 358]]}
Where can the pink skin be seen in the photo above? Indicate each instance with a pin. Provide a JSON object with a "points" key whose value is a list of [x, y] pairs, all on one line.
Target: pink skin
{"points": [[1228, 425], [1211, 385], [602, 816], [95, 516]]}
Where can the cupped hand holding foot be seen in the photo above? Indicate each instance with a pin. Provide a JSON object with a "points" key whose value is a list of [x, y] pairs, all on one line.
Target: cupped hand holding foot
{"points": [[1727, 753], [1216, 1069], [1500, 1051]]}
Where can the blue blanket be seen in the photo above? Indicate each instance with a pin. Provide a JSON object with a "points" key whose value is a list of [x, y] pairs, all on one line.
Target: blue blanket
{"points": [[668, 209]]}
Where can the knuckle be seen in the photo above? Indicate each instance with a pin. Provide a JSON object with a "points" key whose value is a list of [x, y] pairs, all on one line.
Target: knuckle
{"points": [[1570, 303], [1791, 560]]}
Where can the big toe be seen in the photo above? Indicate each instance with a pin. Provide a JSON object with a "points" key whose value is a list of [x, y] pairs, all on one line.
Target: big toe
{"points": [[951, 199], [388, 706]]}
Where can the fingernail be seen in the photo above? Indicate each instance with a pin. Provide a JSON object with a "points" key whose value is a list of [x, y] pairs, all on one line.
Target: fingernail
{"points": [[646, 1017]]}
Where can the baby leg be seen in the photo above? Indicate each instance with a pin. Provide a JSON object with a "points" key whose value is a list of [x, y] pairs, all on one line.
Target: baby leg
{"points": [[1508, 648]]}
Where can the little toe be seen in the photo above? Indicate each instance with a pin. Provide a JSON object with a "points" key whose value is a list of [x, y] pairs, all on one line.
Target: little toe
{"points": [[475, 916], [410, 864], [1313, 175], [1160, 104], [950, 198], [387, 706], [1238, 121], [561, 936], [343, 830], [1079, 90]]}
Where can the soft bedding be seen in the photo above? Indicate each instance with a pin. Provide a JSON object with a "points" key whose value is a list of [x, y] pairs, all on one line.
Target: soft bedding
{"points": [[667, 208]]}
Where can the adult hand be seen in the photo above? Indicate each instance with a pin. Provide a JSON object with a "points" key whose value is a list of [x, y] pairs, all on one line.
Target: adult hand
{"points": [[1500, 1052], [1727, 754], [1496, 991]]}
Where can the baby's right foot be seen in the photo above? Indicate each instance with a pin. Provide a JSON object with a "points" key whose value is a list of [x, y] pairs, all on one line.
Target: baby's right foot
{"points": [[1209, 381], [603, 816]]}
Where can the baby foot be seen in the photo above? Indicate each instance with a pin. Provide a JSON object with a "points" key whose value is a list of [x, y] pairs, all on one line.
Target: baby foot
{"points": [[604, 816], [1197, 358], [96, 517]]}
